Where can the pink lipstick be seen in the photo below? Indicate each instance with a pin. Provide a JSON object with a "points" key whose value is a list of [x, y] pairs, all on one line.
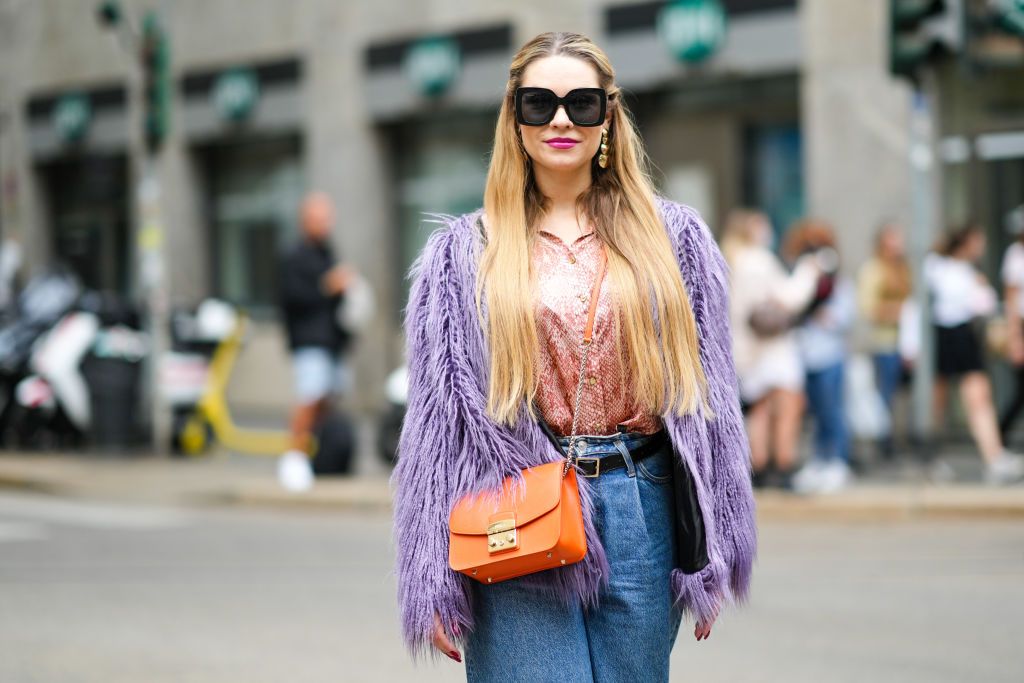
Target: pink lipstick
{"points": [[562, 143]]}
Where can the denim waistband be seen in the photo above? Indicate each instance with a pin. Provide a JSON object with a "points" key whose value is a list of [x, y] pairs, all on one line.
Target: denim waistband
{"points": [[604, 444]]}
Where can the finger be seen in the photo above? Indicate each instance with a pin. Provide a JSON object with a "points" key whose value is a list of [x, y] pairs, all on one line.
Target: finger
{"points": [[442, 642]]}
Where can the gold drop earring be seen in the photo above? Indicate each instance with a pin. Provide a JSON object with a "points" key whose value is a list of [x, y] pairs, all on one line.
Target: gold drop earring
{"points": [[602, 160]]}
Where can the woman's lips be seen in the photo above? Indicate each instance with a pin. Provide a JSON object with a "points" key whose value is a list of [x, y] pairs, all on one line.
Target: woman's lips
{"points": [[562, 143]]}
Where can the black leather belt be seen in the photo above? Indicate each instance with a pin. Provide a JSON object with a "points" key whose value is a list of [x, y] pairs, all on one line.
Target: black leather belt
{"points": [[593, 466]]}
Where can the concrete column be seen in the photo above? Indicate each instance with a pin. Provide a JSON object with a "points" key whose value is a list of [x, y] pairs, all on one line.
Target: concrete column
{"points": [[854, 118]]}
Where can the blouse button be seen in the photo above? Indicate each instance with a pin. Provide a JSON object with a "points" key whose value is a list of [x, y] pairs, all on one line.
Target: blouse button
{"points": [[572, 259]]}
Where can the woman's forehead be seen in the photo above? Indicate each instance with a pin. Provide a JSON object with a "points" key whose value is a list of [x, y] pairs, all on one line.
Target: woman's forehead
{"points": [[560, 73]]}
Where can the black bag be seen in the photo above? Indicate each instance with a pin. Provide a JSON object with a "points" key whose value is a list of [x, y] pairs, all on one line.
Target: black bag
{"points": [[335, 438], [691, 541]]}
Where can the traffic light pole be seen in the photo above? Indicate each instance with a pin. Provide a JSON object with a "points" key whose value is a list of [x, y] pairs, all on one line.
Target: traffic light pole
{"points": [[150, 74], [152, 278], [925, 169]]}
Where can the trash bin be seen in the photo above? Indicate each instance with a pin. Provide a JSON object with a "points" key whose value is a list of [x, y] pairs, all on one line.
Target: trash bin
{"points": [[113, 371]]}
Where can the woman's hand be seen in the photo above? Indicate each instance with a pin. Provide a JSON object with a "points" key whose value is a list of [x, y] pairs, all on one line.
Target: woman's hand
{"points": [[701, 631], [442, 642], [1015, 349]]}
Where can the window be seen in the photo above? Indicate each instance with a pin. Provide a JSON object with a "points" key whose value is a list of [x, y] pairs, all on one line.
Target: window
{"points": [[774, 173], [88, 203], [441, 166], [255, 188]]}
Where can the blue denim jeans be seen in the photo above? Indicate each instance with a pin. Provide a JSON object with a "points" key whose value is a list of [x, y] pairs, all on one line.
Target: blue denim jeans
{"points": [[888, 371], [523, 634], [827, 405]]}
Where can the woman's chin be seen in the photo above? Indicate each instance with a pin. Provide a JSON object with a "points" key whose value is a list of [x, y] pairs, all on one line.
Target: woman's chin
{"points": [[562, 164]]}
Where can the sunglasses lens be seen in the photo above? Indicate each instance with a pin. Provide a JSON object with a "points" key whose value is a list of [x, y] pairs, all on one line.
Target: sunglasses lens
{"points": [[537, 105], [584, 108]]}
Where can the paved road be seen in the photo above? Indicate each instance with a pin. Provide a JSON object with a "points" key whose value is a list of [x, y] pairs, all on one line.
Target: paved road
{"points": [[108, 593]]}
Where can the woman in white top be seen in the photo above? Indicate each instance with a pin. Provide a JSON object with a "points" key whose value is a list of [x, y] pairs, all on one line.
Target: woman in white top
{"points": [[1013, 297], [960, 293], [768, 364]]}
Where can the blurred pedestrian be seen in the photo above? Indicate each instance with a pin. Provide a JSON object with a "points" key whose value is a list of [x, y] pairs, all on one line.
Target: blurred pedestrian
{"points": [[884, 283], [823, 341], [960, 295], [765, 302], [312, 287], [1013, 292]]}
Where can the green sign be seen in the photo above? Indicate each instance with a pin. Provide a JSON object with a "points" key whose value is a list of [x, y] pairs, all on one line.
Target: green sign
{"points": [[71, 116], [433, 64], [692, 29], [235, 94], [1011, 15]]}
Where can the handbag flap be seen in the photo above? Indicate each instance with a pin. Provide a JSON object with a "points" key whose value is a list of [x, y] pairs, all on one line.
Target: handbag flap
{"points": [[539, 494]]}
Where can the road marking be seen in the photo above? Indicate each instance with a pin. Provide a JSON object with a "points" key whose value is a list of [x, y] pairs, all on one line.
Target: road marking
{"points": [[21, 531], [89, 514]]}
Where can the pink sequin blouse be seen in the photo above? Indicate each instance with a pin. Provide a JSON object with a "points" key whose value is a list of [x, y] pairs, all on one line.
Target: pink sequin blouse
{"points": [[565, 278]]}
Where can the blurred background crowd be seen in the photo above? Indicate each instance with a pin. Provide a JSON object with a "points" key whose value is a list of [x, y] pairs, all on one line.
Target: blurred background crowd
{"points": [[174, 176]]}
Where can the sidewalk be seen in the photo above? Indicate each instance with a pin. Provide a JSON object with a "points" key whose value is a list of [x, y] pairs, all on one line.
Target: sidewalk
{"points": [[226, 479]]}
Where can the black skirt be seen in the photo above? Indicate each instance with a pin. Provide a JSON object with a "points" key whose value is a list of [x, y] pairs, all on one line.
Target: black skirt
{"points": [[958, 350]]}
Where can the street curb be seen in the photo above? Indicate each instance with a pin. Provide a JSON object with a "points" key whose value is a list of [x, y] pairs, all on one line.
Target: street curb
{"points": [[864, 503], [870, 505], [333, 495], [974, 502], [22, 483]]}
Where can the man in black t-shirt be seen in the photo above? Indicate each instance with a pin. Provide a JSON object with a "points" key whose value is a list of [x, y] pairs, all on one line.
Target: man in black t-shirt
{"points": [[312, 287]]}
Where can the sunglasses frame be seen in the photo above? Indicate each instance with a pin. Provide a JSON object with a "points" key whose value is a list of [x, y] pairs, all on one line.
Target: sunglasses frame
{"points": [[559, 102]]}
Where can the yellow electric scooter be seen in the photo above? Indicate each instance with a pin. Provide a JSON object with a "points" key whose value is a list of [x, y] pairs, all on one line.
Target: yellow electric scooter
{"points": [[333, 440], [212, 417]]}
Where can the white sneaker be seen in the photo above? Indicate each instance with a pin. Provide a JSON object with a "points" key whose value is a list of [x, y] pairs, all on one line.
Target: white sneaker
{"points": [[835, 476], [808, 478], [1006, 469], [941, 472], [295, 471]]}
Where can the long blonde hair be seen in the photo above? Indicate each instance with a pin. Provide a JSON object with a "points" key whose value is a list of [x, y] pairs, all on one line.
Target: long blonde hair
{"points": [[641, 266]]}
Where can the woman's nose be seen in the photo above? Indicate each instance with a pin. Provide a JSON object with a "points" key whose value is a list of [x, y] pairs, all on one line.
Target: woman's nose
{"points": [[561, 118]]}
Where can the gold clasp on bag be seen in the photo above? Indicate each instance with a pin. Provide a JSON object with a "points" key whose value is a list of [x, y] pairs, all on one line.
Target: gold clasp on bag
{"points": [[502, 535]]}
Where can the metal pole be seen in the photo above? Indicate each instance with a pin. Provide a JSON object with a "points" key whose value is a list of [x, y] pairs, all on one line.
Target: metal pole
{"points": [[150, 276], [925, 168], [152, 279]]}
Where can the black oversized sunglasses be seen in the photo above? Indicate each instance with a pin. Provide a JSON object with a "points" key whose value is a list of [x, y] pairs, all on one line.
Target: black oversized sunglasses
{"points": [[583, 106]]}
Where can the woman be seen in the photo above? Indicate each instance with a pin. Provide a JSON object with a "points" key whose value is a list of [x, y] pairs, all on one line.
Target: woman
{"points": [[495, 315], [960, 294], [765, 301], [822, 338], [884, 283], [1013, 300]]}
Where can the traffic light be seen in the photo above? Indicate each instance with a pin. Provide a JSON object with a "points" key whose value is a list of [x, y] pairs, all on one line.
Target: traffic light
{"points": [[922, 32], [156, 82], [996, 34]]}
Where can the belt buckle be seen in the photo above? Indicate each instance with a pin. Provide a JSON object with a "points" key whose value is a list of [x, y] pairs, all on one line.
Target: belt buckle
{"points": [[597, 466]]}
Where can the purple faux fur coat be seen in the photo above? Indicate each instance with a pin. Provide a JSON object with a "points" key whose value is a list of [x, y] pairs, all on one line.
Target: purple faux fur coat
{"points": [[449, 447]]}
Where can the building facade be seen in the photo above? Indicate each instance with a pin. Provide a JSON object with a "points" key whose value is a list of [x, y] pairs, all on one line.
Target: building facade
{"points": [[390, 108]]}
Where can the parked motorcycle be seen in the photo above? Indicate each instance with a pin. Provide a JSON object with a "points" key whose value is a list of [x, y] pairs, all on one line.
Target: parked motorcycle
{"points": [[44, 301]]}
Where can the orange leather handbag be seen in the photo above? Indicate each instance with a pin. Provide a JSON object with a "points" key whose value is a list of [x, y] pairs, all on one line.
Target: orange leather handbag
{"points": [[537, 525]]}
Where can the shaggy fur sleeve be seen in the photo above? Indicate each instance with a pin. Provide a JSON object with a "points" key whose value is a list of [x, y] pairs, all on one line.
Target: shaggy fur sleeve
{"points": [[728, 504], [423, 480]]}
